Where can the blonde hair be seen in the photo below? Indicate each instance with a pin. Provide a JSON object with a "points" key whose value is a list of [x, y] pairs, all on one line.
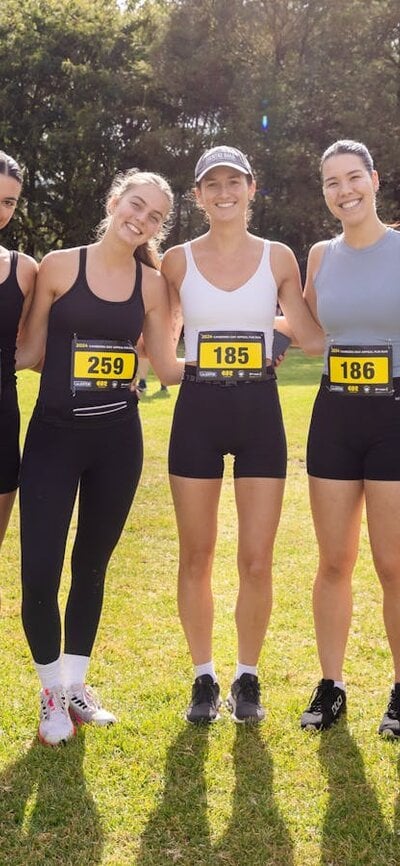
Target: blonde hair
{"points": [[148, 253]]}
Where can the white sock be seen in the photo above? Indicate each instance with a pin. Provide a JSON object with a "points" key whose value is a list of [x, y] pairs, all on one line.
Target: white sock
{"points": [[339, 685], [245, 669], [74, 669], [50, 675], [206, 668]]}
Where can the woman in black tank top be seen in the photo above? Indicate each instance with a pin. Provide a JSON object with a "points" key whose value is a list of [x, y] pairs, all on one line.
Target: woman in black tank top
{"points": [[91, 306], [17, 277]]}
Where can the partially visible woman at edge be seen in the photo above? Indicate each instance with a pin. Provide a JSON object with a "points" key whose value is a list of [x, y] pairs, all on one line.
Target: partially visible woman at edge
{"points": [[353, 287], [17, 279], [229, 280], [91, 305]]}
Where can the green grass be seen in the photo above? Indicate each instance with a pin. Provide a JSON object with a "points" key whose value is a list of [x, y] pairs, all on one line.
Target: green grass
{"points": [[153, 791]]}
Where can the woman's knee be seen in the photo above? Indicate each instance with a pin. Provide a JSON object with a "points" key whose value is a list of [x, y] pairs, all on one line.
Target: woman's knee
{"points": [[195, 565], [335, 570], [255, 570], [388, 570]]}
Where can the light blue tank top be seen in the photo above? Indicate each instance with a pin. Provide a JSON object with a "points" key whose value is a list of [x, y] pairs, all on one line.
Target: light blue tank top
{"points": [[358, 294]]}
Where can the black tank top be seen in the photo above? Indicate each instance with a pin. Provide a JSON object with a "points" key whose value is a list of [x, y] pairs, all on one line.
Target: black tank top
{"points": [[82, 314], [11, 303]]}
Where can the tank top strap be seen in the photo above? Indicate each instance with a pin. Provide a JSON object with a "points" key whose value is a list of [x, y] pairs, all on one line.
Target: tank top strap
{"points": [[189, 255], [137, 289], [267, 250], [13, 263], [82, 265]]}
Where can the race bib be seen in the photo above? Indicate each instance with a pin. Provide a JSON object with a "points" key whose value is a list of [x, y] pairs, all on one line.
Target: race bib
{"points": [[238, 356], [361, 371], [102, 365]]}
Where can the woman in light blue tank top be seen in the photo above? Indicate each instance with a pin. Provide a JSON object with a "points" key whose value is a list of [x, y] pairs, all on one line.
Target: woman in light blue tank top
{"points": [[353, 452]]}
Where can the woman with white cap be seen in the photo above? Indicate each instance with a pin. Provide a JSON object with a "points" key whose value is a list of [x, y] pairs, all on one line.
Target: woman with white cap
{"points": [[226, 284]]}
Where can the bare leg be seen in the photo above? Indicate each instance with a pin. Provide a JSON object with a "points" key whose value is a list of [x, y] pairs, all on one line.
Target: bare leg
{"points": [[336, 508], [6, 504], [196, 507], [259, 502], [383, 514]]}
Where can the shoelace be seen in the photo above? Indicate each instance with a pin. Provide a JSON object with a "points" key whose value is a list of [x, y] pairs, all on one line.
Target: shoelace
{"points": [[53, 701], [204, 694], [394, 702], [317, 697], [85, 697], [250, 691]]}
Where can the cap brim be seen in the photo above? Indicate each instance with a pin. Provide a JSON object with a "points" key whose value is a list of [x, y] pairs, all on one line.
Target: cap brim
{"points": [[240, 168]]}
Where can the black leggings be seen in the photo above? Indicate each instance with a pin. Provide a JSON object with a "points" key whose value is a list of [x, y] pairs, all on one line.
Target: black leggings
{"points": [[105, 461]]}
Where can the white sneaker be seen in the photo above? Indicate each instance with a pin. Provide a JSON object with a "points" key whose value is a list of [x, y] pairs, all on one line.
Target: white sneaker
{"points": [[85, 707], [55, 722]]}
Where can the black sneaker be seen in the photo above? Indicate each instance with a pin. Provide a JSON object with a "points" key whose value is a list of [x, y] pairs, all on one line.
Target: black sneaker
{"points": [[390, 724], [244, 700], [327, 704], [205, 701]]}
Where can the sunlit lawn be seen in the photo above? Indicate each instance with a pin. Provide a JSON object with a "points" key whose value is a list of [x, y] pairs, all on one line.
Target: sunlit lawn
{"points": [[153, 790]]}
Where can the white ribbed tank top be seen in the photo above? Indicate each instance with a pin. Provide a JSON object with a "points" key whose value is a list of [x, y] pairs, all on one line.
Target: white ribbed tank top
{"points": [[251, 307]]}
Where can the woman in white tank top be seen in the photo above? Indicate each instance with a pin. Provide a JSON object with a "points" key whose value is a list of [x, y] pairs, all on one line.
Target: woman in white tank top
{"points": [[227, 284]]}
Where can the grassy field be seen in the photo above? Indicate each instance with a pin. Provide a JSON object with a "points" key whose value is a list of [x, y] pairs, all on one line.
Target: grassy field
{"points": [[154, 791]]}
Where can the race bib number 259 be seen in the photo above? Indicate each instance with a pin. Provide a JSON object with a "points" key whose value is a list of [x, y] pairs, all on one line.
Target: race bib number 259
{"points": [[101, 364]]}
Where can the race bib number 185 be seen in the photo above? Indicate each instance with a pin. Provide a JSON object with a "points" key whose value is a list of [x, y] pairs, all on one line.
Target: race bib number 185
{"points": [[227, 355]]}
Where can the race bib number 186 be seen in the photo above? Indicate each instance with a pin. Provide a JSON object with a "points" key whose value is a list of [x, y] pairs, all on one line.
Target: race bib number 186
{"points": [[364, 371]]}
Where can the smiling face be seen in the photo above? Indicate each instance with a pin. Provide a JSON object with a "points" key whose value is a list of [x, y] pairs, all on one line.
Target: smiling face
{"points": [[349, 188], [138, 215], [10, 190], [225, 193]]}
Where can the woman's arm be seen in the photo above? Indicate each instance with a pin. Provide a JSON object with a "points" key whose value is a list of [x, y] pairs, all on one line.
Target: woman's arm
{"points": [[27, 270], [315, 257], [158, 336], [303, 326], [33, 331]]}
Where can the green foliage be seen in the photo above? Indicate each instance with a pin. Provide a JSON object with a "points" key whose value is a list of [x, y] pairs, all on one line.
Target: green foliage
{"points": [[90, 86]]}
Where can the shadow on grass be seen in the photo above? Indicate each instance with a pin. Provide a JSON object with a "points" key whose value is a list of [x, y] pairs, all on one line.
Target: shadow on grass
{"points": [[354, 832], [179, 831], [47, 815], [257, 834]]}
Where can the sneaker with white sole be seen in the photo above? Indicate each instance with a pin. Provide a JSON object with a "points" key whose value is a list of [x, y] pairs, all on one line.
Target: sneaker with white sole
{"points": [[244, 701], [327, 704], [205, 701], [55, 724], [390, 724], [85, 707]]}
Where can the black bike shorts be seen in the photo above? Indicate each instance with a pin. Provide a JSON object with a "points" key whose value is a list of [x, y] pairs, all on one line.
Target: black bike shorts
{"points": [[353, 438], [212, 420], [9, 441]]}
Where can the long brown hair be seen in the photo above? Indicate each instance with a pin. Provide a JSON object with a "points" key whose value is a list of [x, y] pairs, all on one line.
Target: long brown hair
{"points": [[148, 253]]}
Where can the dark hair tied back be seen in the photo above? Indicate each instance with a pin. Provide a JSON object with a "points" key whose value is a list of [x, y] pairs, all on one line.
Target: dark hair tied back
{"points": [[10, 167], [347, 145]]}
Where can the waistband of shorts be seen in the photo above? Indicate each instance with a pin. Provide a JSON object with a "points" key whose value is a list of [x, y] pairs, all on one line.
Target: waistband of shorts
{"points": [[189, 375], [395, 380], [65, 417]]}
